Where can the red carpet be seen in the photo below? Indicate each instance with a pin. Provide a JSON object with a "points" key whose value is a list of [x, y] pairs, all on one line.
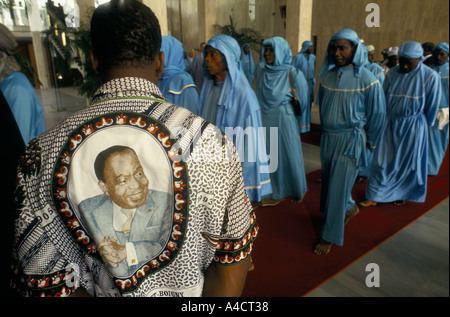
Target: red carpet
{"points": [[285, 263]]}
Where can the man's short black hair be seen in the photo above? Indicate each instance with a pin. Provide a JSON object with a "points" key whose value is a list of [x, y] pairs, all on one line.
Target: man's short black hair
{"points": [[125, 33], [99, 164]]}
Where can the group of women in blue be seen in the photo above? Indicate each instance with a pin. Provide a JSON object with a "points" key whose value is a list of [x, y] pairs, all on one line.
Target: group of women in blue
{"points": [[232, 104], [358, 118], [400, 163], [274, 92], [305, 61], [439, 133]]}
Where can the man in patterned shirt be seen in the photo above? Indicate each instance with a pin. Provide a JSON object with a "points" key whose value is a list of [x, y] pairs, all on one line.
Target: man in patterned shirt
{"points": [[57, 249]]}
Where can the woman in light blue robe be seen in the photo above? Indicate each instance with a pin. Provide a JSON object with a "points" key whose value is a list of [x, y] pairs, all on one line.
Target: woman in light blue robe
{"points": [[274, 94], [247, 63], [399, 168], [352, 113], [233, 107], [24, 104], [308, 68], [176, 85], [438, 135]]}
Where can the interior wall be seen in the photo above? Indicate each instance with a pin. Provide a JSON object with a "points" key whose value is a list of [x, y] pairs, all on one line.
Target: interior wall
{"points": [[400, 21]]}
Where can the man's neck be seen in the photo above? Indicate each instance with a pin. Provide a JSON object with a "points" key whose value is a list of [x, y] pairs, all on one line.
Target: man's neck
{"points": [[140, 72]]}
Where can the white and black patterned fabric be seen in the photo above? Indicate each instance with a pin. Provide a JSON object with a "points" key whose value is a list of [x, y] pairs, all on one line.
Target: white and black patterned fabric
{"points": [[185, 158]]}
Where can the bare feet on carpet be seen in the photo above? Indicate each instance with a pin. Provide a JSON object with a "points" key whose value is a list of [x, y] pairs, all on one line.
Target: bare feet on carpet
{"points": [[351, 213], [368, 203], [399, 203], [322, 247], [255, 204], [269, 202], [297, 200]]}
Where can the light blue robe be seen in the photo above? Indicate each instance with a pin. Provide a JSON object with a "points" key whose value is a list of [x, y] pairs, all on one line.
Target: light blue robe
{"points": [[237, 112], [274, 94], [308, 68], [24, 104], [352, 113], [176, 85], [378, 71], [438, 139], [248, 64], [399, 168]]}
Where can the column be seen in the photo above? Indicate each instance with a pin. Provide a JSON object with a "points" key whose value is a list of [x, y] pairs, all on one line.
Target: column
{"points": [[36, 27], [298, 23], [206, 19], [86, 8]]}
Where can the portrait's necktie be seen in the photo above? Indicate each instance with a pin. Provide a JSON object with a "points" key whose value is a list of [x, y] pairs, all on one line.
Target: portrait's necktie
{"points": [[127, 224]]}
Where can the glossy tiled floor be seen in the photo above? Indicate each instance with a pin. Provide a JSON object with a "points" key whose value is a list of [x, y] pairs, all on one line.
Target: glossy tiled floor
{"points": [[415, 262]]}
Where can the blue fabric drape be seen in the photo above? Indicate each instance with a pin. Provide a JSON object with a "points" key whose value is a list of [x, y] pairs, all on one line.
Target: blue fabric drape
{"points": [[176, 85], [352, 113], [237, 111], [438, 138], [274, 95], [399, 168]]}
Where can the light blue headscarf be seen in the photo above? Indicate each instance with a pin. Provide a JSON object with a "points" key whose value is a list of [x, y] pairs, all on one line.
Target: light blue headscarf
{"points": [[442, 46], [283, 54], [359, 59], [247, 63], [306, 45], [230, 111], [272, 84], [173, 64], [411, 50]]}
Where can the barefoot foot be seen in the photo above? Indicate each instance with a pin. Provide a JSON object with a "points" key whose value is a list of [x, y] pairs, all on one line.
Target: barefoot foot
{"points": [[351, 213], [368, 203], [322, 247]]}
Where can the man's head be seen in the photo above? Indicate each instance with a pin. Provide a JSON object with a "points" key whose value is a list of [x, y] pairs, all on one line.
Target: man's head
{"points": [[307, 47], [121, 177], [392, 57], [345, 48], [410, 55], [371, 53], [125, 35], [427, 48], [440, 54]]}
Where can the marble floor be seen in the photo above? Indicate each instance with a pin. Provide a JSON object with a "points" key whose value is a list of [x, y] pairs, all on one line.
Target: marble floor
{"points": [[413, 263]]}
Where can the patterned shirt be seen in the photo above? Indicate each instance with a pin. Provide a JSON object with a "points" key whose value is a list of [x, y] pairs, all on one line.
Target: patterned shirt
{"points": [[65, 234]]}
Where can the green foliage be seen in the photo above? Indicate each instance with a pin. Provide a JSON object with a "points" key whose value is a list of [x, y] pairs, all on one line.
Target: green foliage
{"points": [[91, 81], [242, 36]]}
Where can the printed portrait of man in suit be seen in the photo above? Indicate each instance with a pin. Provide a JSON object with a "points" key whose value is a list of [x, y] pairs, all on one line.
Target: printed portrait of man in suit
{"points": [[129, 223]]}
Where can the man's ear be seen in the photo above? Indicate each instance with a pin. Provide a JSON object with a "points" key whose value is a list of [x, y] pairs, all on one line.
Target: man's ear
{"points": [[104, 188], [95, 63], [159, 63]]}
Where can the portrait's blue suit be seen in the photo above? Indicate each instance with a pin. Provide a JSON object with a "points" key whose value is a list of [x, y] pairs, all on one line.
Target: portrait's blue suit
{"points": [[149, 229]]}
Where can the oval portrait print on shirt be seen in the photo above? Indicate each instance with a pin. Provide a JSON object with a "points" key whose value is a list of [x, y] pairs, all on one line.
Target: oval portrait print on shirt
{"points": [[121, 188]]}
